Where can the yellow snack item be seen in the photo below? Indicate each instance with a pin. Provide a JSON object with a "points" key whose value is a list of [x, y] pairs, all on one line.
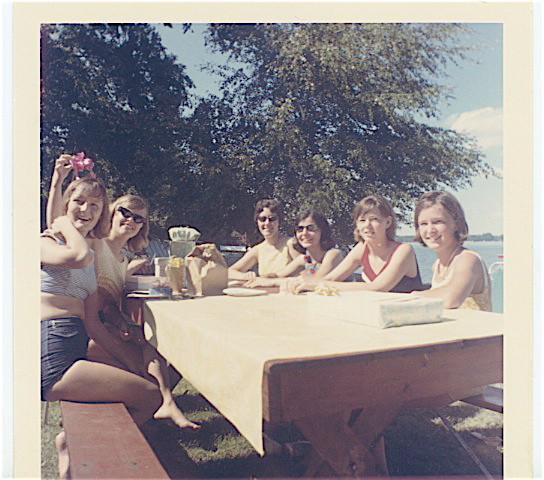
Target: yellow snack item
{"points": [[326, 290]]}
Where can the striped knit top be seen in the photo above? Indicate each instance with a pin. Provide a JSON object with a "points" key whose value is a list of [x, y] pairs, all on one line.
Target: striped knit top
{"points": [[72, 282]]}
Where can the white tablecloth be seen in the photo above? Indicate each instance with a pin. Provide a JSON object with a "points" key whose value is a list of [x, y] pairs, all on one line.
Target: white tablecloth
{"points": [[220, 344]]}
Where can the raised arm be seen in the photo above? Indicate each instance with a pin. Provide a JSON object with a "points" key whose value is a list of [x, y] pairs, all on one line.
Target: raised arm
{"points": [[239, 271], [54, 201], [74, 254]]}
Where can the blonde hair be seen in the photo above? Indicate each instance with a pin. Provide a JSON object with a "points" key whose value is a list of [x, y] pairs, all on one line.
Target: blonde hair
{"points": [[133, 202], [96, 189], [450, 204], [385, 209]]}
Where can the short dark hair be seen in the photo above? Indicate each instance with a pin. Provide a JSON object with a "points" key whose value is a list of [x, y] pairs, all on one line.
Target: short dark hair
{"points": [[274, 205]]}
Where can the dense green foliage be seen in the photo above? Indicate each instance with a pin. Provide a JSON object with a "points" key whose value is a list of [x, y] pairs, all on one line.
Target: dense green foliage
{"points": [[322, 115], [113, 92], [329, 113]]}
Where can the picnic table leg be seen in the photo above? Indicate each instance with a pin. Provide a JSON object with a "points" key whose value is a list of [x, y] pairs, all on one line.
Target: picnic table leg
{"points": [[369, 426], [316, 466], [350, 447], [335, 443]]}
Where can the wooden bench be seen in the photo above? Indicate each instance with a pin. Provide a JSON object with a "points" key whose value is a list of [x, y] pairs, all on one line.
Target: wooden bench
{"points": [[490, 398], [104, 442]]}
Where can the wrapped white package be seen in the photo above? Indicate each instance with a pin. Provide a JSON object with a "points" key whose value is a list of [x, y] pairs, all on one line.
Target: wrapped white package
{"points": [[376, 309]]}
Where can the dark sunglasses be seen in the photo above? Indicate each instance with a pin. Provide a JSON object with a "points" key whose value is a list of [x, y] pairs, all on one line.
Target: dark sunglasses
{"points": [[128, 214], [271, 218], [311, 228]]}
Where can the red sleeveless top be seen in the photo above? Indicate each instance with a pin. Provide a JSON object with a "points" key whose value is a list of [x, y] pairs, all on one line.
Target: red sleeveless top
{"points": [[405, 285]]}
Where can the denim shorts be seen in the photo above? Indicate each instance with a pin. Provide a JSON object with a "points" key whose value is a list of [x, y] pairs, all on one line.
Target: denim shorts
{"points": [[63, 342]]}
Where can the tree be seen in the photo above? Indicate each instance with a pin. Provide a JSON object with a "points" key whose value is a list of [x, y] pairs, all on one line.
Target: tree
{"points": [[113, 91], [325, 114]]}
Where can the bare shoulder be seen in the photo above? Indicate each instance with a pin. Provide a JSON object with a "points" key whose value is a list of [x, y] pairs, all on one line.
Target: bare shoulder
{"points": [[357, 249], [254, 251], [403, 252], [468, 260], [469, 256], [405, 249]]}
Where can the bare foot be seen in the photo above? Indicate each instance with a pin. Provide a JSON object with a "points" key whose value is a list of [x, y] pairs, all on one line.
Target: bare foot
{"points": [[64, 461], [170, 411]]}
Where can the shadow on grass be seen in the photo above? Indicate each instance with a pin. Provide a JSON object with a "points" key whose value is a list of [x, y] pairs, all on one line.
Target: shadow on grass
{"points": [[417, 443], [215, 451]]}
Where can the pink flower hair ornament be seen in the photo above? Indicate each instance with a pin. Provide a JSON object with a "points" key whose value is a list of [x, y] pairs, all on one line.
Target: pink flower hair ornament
{"points": [[81, 163]]}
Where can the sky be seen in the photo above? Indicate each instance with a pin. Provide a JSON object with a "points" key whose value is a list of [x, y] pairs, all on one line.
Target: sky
{"points": [[476, 84]]}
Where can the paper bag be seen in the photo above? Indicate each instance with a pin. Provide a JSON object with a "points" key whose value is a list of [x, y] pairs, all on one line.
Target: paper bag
{"points": [[206, 269]]}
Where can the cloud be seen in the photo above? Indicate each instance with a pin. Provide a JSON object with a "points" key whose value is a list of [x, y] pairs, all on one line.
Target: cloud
{"points": [[485, 124]]}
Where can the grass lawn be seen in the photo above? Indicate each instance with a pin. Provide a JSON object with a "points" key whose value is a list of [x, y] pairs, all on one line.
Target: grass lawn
{"points": [[417, 443]]}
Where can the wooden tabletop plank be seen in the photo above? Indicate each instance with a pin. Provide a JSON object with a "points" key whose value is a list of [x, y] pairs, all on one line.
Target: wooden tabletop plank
{"points": [[298, 388]]}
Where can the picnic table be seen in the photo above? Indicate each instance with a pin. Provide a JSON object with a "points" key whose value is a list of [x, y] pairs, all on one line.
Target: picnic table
{"points": [[264, 360]]}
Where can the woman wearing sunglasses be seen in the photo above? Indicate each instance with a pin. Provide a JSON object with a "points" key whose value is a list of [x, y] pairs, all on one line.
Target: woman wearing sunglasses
{"points": [[128, 229], [69, 315], [274, 253], [314, 238], [386, 265]]}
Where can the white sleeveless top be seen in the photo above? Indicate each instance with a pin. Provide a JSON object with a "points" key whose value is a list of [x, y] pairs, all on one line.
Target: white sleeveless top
{"points": [[110, 272], [273, 260], [474, 301]]}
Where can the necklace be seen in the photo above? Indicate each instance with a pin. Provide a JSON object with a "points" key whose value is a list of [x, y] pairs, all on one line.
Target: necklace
{"points": [[442, 275]]}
